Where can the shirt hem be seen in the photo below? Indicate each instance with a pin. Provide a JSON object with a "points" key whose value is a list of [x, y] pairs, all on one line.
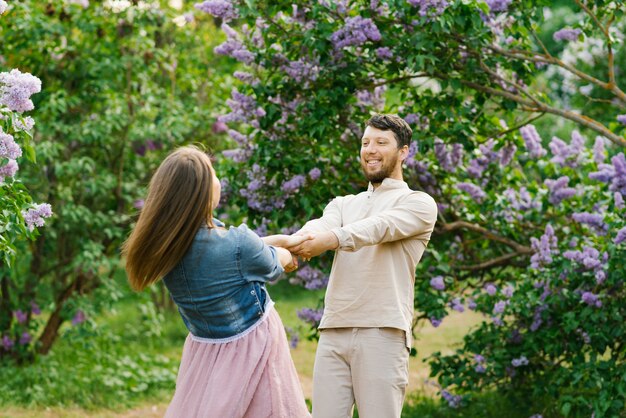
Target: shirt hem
{"points": [[268, 307]]}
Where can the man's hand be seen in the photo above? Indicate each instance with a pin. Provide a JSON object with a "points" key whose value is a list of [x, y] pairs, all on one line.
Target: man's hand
{"points": [[321, 242], [293, 265]]}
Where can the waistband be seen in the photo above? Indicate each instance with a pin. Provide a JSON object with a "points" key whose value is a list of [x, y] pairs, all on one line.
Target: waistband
{"points": [[269, 306]]}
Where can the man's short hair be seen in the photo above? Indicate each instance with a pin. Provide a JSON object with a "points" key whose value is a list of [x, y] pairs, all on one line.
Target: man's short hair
{"points": [[401, 130]]}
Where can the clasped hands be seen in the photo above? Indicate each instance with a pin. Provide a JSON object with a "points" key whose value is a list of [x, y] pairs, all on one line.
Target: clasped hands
{"points": [[307, 245]]}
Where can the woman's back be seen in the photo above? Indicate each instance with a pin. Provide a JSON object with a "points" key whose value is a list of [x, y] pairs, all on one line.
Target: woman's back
{"points": [[219, 285]]}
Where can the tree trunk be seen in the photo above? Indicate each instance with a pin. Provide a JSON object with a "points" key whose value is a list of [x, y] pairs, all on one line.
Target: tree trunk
{"points": [[51, 331]]}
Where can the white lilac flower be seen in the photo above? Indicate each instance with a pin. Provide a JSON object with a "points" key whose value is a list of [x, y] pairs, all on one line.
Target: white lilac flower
{"points": [[16, 88], [3, 6], [8, 147], [35, 216]]}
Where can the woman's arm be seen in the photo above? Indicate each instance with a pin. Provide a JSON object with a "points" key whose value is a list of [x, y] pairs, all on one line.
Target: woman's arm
{"points": [[286, 241]]}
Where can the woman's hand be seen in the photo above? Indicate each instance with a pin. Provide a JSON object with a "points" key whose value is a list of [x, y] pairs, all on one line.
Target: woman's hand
{"points": [[286, 241], [293, 265]]}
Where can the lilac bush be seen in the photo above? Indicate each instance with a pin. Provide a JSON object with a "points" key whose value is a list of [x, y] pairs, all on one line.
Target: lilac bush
{"points": [[519, 140]]}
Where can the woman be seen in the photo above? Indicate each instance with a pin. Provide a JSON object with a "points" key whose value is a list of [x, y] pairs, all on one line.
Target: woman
{"points": [[236, 360]]}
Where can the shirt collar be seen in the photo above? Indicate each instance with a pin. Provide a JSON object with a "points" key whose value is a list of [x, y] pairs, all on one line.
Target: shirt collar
{"points": [[389, 183]]}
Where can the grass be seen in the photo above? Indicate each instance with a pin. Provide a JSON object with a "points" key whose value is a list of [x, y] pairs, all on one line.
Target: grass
{"points": [[127, 365]]}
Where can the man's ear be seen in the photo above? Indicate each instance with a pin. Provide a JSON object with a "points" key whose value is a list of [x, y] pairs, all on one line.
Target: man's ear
{"points": [[404, 152]]}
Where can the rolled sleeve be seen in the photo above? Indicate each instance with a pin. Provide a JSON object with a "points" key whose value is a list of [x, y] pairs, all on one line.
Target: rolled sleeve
{"points": [[415, 217], [260, 260]]}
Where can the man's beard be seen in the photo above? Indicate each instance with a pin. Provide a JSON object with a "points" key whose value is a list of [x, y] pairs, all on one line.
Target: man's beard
{"points": [[377, 176]]}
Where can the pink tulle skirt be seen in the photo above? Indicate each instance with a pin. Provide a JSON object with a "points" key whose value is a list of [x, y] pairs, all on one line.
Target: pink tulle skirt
{"points": [[252, 376]]}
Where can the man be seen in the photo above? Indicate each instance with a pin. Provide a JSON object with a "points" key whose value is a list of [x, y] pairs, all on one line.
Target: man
{"points": [[379, 236]]}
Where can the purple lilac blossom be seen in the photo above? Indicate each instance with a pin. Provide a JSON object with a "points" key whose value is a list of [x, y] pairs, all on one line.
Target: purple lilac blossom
{"points": [[618, 183], [410, 160], [498, 5], [294, 340], [499, 307], [35, 216], [435, 322], [454, 401], [429, 7], [507, 153], [20, 316], [35, 308], [521, 361], [480, 364], [567, 34], [565, 154], [375, 99], [244, 76], [591, 299], [490, 289], [537, 316], [219, 127], [25, 338], [7, 342], [598, 150], [559, 190], [312, 277], [79, 318], [311, 316], [138, 204], [356, 31], [384, 53], [16, 88], [620, 237], [8, 147], [480, 164], [588, 257], [520, 202], [473, 190], [618, 199], [222, 9], [233, 47], [302, 70], [621, 119], [293, 184], [533, 141], [437, 283], [8, 170], [543, 248], [594, 220], [471, 304], [508, 291], [315, 173], [448, 160], [243, 108], [457, 305]]}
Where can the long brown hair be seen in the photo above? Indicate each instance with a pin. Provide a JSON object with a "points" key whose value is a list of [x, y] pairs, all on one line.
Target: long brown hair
{"points": [[178, 203]]}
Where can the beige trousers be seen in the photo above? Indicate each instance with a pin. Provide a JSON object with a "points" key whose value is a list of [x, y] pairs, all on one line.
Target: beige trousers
{"points": [[366, 366]]}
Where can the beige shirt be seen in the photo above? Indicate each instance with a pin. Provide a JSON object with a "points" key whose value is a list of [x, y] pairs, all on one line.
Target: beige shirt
{"points": [[382, 235]]}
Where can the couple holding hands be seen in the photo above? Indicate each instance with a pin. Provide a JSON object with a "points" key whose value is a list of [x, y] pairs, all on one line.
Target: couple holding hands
{"points": [[236, 361]]}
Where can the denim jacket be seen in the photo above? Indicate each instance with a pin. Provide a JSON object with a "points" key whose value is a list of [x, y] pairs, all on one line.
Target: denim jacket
{"points": [[219, 285]]}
